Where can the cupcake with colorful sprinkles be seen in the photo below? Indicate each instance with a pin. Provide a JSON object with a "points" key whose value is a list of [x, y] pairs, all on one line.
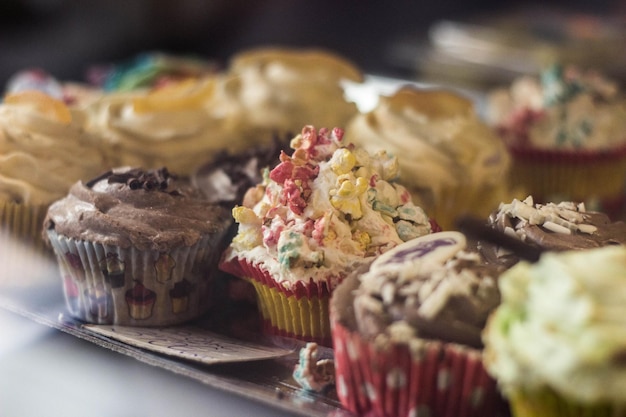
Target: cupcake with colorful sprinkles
{"points": [[566, 131], [322, 212]]}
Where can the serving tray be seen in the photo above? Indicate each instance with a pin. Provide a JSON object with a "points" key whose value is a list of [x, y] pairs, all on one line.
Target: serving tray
{"points": [[245, 364]]}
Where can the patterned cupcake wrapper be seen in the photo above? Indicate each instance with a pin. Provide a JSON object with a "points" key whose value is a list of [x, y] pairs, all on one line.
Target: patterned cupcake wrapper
{"points": [[300, 312], [106, 284], [546, 403], [433, 379]]}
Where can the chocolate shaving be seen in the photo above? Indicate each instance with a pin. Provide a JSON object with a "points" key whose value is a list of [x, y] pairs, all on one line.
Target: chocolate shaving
{"points": [[480, 230], [137, 179], [100, 177]]}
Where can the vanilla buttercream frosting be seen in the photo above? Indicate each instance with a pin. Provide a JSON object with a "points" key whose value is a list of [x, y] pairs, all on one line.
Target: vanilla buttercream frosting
{"points": [[279, 90], [324, 210], [43, 148], [162, 126], [561, 326], [440, 142]]}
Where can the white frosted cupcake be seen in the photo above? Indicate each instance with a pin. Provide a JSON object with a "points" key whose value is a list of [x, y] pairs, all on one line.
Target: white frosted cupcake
{"points": [[452, 162], [43, 151]]}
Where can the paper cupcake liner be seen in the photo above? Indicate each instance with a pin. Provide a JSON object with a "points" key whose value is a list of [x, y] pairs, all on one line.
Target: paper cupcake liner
{"points": [[24, 222], [299, 312], [592, 177], [546, 403], [106, 284], [431, 378], [467, 200]]}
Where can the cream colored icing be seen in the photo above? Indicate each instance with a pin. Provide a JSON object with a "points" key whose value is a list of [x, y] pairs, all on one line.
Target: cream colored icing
{"points": [[281, 90], [41, 156], [438, 139], [324, 211], [180, 134], [561, 326]]}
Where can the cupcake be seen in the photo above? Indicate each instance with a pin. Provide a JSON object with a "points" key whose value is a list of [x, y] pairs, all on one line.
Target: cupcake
{"points": [[566, 131], [451, 161], [270, 91], [566, 225], [164, 125], [556, 343], [43, 151], [320, 213], [136, 247], [407, 331]]}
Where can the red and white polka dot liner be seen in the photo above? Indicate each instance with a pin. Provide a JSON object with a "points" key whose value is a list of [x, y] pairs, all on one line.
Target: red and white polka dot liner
{"points": [[433, 379]]}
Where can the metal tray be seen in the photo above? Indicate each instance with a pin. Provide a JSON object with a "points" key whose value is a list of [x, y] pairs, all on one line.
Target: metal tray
{"points": [[250, 366]]}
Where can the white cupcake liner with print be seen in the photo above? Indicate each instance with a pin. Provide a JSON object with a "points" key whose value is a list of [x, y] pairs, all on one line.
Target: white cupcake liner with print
{"points": [[106, 284]]}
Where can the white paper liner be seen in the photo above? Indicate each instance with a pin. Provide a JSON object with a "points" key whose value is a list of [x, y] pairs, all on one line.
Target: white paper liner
{"points": [[106, 284]]}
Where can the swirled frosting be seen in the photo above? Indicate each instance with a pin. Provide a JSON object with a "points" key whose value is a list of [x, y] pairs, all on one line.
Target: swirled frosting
{"points": [[43, 148], [561, 326], [562, 109], [165, 126], [432, 287], [279, 90], [324, 210], [440, 142], [149, 210]]}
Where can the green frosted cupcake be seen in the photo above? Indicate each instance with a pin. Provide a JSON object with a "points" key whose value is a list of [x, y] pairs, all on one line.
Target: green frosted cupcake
{"points": [[556, 345]]}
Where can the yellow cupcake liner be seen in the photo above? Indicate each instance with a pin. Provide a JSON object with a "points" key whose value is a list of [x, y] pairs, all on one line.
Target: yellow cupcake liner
{"points": [[547, 403], [299, 311], [289, 316]]}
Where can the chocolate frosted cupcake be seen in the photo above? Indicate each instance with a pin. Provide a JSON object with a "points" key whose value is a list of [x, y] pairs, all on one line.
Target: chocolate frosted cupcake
{"points": [[407, 331], [136, 248], [553, 227]]}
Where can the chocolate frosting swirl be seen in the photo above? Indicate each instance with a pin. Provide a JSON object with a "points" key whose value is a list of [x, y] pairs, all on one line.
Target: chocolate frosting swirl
{"points": [[150, 210]]}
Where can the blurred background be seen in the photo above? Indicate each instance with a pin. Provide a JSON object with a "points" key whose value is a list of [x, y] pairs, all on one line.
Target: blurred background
{"points": [[475, 42]]}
